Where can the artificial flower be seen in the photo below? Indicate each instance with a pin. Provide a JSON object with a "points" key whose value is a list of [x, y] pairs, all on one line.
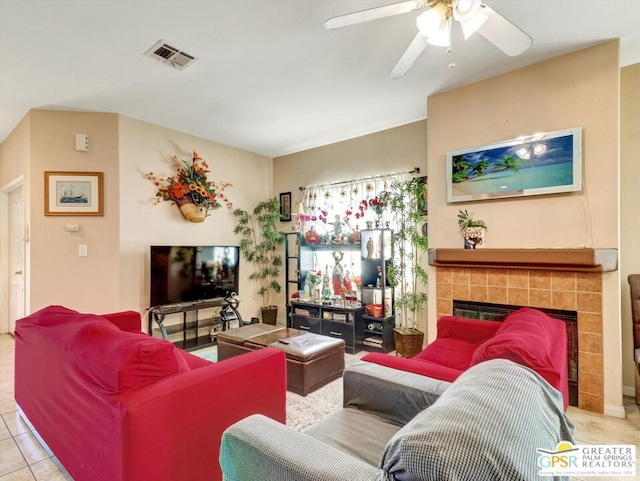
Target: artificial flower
{"points": [[190, 184]]}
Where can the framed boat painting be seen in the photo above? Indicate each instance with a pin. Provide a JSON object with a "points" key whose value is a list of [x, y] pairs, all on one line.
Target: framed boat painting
{"points": [[73, 193]]}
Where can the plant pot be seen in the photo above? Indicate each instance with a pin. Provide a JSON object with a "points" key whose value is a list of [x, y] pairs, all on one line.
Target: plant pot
{"points": [[408, 341], [270, 315], [474, 237], [192, 212]]}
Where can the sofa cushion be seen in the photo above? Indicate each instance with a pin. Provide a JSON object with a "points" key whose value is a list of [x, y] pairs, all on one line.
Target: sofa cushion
{"points": [[533, 339], [450, 352], [417, 366], [473, 331], [458, 338], [486, 426], [117, 360]]}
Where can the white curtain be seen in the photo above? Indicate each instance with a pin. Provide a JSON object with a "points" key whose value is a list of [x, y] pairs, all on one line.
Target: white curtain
{"points": [[346, 203]]}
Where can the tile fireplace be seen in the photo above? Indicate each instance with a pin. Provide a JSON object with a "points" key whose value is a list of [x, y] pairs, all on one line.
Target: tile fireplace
{"points": [[497, 312], [514, 277]]}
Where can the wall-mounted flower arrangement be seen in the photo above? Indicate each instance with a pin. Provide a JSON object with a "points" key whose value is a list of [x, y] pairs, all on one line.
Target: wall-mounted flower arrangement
{"points": [[190, 189]]}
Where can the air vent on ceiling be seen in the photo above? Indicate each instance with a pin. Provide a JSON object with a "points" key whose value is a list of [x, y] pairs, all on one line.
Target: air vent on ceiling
{"points": [[170, 55]]}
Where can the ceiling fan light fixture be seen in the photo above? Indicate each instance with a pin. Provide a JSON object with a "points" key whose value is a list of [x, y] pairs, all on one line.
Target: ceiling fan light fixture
{"points": [[429, 22], [442, 37]]}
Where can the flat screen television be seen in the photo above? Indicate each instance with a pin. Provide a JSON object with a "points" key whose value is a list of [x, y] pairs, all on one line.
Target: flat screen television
{"points": [[192, 273], [547, 163]]}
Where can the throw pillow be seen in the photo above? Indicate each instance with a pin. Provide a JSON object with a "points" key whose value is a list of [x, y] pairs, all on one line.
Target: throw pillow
{"points": [[117, 360], [532, 339]]}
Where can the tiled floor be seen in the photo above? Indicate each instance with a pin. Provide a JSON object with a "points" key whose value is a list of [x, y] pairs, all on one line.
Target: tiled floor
{"points": [[23, 459]]}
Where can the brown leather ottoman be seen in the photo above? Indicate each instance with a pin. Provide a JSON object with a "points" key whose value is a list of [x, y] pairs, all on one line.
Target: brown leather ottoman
{"points": [[231, 342], [312, 360]]}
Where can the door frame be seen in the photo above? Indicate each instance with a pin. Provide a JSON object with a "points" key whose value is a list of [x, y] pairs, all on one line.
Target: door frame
{"points": [[4, 251]]}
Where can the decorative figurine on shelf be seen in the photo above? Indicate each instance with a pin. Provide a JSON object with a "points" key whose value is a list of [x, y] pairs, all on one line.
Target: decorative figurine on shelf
{"points": [[338, 273], [311, 236], [337, 230], [346, 281], [356, 235], [370, 248], [312, 284], [326, 287], [379, 278]]}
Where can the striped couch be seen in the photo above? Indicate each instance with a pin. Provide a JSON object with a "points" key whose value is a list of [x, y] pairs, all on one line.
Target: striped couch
{"points": [[487, 425]]}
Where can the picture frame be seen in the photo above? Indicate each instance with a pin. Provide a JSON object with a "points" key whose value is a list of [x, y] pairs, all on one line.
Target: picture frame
{"points": [[285, 207], [73, 194], [544, 163]]}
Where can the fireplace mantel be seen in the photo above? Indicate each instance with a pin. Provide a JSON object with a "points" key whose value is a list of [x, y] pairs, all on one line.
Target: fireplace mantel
{"points": [[576, 260]]}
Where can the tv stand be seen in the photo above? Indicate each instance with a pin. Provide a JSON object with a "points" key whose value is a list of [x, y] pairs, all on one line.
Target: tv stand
{"points": [[191, 339]]}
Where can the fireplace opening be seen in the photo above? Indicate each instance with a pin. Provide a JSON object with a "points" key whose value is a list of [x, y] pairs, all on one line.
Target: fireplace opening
{"points": [[498, 312]]}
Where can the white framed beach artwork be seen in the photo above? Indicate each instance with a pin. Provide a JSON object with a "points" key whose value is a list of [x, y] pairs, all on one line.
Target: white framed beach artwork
{"points": [[545, 163]]}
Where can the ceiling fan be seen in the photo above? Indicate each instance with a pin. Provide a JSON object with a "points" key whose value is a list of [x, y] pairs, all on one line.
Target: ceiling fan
{"points": [[435, 24]]}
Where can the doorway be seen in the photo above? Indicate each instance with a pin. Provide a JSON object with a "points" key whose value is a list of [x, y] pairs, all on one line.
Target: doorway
{"points": [[13, 254]]}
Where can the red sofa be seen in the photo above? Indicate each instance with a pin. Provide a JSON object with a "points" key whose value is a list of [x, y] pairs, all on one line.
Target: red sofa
{"points": [[113, 403], [527, 336]]}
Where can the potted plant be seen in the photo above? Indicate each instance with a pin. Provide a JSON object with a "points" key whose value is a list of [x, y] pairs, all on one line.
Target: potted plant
{"points": [[472, 230], [259, 245], [406, 273]]}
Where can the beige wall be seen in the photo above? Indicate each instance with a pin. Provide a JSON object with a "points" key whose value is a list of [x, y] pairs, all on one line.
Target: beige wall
{"points": [[115, 273], [395, 150], [146, 147], [629, 201], [58, 275], [579, 89]]}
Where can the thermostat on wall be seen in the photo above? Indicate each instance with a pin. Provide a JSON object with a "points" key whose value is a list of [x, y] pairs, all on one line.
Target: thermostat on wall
{"points": [[82, 142]]}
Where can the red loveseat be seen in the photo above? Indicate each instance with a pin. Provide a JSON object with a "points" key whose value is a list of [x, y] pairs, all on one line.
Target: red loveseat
{"points": [[113, 403], [526, 336]]}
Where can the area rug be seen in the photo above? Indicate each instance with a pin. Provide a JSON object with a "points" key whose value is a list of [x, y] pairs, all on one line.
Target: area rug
{"points": [[303, 411]]}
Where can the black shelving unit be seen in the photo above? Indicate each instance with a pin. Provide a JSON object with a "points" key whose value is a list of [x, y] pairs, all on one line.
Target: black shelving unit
{"points": [[292, 268], [376, 255], [328, 320]]}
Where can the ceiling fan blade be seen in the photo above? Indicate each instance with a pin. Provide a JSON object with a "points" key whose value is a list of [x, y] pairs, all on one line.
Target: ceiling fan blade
{"points": [[371, 14], [409, 56], [503, 34]]}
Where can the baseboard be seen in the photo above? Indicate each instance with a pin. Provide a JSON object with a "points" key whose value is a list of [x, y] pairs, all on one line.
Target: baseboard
{"points": [[629, 391], [615, 411]]}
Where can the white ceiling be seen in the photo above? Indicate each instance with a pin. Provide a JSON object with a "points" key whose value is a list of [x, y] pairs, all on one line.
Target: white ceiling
{"points": [[269, 79]]}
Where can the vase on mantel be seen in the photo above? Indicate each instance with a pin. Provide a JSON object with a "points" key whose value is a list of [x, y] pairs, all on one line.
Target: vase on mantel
{"points": [[474, 237], [191, 211]]}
